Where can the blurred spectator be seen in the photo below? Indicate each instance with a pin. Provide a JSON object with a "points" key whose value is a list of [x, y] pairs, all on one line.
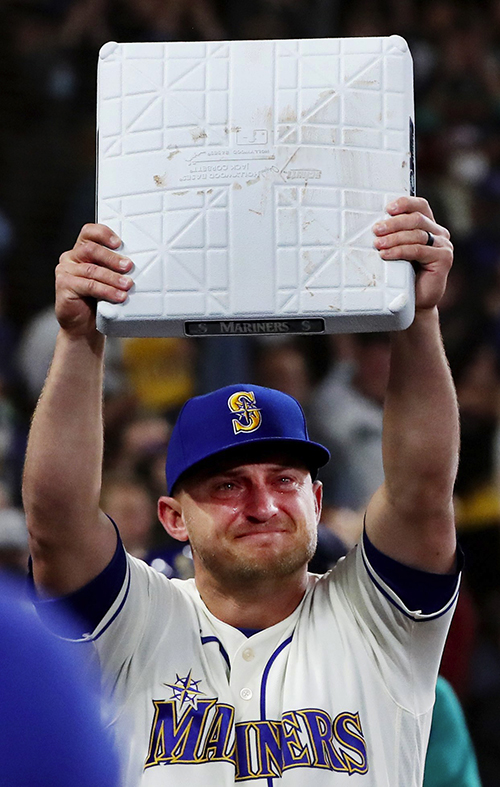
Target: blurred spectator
{"points": [[450, 759], [85, 22], [346, 416], [282, 364], [483, 700], [13, 541], [478, 522], [7, 332], [457, 663], [130, 505], [175, 560], [167, 20], [160, 372], [5, 497], [222, 363], [133, 509], [477, 491], [36, 348], [46, 696], [136, 448], [330, 548], [364, 18], [12, 445], [272, 19], [12, 435]]}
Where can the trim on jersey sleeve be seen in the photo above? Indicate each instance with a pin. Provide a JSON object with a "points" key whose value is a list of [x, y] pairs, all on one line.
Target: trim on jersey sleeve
{"points": [[420, 595], [89, 605]]}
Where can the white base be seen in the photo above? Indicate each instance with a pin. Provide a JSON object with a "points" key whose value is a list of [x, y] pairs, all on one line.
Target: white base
{"points": [[244, 178]]}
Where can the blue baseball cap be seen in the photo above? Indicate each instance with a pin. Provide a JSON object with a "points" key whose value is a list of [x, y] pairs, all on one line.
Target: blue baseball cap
{"points": [[234, 416]]}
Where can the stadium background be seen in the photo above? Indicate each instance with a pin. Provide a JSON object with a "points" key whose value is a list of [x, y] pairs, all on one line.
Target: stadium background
{"points": [[48, 55]]}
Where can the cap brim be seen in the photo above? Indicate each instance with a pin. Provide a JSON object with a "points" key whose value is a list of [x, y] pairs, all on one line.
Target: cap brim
{"points": [[313, 455]]}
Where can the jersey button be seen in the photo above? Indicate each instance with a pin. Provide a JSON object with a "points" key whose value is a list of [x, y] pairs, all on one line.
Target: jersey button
{"points": [[246, 694], [248, 654]]}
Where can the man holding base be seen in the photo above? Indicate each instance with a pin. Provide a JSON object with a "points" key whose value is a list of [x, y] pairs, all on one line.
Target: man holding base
{"points": [[255, 670]]}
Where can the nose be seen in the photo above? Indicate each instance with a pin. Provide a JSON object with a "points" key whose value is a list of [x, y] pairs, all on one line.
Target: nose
{"points": [[260, 503]]}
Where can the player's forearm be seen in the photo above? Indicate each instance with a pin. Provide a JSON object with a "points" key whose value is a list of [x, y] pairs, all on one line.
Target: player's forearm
{"points": [[421, 423], [62, 475]]}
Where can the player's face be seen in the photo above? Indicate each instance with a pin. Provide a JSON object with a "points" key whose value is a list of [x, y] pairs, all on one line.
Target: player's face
{"points": [[251, 521]]}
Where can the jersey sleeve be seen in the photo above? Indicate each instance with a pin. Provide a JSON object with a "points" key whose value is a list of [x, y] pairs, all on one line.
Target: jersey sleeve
{"points": [[77, 614], [128, 604], [400, 617], [412, 589]]}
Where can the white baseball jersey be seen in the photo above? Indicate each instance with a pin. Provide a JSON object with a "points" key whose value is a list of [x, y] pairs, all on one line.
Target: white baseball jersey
{"points": [[338, 693]]}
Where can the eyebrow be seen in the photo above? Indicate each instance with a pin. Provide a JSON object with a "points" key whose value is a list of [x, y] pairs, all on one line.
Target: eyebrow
{"points": [[205, 474], [272, 467]]}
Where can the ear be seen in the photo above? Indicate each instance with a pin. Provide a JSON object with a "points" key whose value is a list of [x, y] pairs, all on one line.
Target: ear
{"points": [[318, 499], [170, 515]]}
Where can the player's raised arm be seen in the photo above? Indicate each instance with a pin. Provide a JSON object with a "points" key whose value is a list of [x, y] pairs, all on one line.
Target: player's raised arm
{"points": [[410, 518], [71, 541]]}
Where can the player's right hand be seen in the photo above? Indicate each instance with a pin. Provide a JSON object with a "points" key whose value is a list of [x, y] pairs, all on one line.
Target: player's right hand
{"points": [[93, 270]]}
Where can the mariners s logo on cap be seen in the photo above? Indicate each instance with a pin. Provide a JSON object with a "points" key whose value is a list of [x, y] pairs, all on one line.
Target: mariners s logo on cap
{"points": [[244, 405]]}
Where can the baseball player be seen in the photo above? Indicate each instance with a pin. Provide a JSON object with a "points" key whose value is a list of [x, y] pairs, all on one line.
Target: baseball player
{"points": [[256, 671]]}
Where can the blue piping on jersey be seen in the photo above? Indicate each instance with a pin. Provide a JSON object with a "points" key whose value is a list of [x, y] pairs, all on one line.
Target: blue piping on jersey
{"points": [[263, 686], [108, 624], [205, 640], [382, 590]]}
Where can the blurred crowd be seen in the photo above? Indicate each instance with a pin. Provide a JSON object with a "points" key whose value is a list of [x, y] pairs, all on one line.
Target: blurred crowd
{"points": [[48, 56]]}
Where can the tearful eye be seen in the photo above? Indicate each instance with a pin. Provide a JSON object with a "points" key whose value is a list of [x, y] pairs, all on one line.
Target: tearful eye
{"points": [[227, 486]]}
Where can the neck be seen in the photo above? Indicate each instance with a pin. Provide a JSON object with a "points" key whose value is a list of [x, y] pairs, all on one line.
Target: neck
{"points": [[257, 604]]}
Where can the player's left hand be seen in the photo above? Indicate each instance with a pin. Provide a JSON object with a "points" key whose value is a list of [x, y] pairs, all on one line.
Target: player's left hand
{"points": [[404, 235]]}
